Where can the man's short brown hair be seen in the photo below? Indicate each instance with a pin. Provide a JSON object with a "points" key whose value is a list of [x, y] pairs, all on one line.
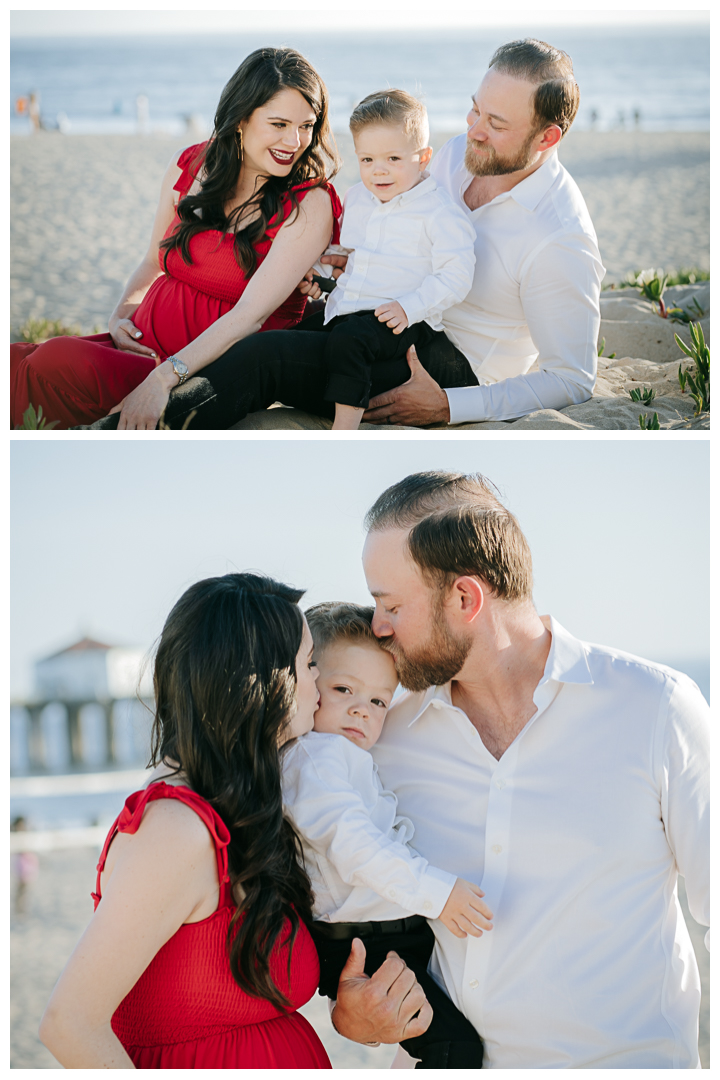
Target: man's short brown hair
{"points": [[557, 96], [457, 526], [333, 621], [394, 107]]}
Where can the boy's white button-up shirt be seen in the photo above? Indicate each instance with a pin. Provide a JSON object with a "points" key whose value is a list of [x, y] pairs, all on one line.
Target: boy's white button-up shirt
{"points": [[354, 843], [577, 835], [418, 249], [529, 325]]}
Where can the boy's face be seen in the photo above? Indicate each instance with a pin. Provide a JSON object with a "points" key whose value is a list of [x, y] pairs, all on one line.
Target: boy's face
{"points": [[390, 162], [356, 684]]}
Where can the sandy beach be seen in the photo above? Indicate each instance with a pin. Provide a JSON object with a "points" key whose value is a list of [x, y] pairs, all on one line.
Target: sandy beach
{"points": [[82, 208], [59, 907]]}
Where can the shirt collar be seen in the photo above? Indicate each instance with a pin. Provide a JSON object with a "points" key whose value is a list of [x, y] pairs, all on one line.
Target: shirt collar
{"points": [[567, 660], [566, 663], [529, 191]]}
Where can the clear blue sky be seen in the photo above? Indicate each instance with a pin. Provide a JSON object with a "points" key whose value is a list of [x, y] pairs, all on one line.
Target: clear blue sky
{"points": [[107, 534], [338, 16]]}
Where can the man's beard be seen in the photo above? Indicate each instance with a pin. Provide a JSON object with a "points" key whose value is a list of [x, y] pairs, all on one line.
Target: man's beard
{"points": [[489, 163], [434, 663]]}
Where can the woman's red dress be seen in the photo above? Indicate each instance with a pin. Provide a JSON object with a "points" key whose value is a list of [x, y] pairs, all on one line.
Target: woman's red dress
{"points": [[186, 1011], [79, 380]]}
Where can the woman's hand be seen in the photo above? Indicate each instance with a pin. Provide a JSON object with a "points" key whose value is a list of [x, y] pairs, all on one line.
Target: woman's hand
{"points": [[141, 409], [126, 336]]}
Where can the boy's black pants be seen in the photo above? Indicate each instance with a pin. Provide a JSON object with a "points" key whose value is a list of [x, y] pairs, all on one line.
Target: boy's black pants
{"points": [[357, 343], [451, 1042]]}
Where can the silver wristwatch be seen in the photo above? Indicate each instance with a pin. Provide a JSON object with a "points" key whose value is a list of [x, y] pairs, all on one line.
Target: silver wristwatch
{"points": [[179, 368]]}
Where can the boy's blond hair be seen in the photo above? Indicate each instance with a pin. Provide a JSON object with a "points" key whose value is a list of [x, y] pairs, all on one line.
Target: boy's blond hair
{"points": [[393, 107], [333, 621]]}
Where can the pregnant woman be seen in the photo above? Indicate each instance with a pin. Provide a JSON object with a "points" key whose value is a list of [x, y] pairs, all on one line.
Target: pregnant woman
{"points": [[198, 955], [241, 218]]}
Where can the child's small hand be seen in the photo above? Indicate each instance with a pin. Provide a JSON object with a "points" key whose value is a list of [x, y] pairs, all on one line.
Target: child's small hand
{"points": [[465, 913], [308, 287], [393, 315]]}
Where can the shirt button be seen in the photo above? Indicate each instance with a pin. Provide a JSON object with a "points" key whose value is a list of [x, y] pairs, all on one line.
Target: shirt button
{"points": [[497, 848], [427, 906], [392, 893], [473, 984], [499, 784]]}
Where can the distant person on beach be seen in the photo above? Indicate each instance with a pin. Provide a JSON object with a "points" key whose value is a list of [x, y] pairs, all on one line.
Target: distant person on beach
{"points": [[571, 780], [25, 868], [241, 218], [367, 881], [198, 954], [34, 112]]}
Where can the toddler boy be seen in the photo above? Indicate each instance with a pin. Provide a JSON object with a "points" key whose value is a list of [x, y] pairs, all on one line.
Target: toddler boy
{"points": [[367, 881], [411, 252]]}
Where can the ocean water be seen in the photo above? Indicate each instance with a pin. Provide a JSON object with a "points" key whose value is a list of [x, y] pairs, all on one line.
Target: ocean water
{"points": [[90, 85]]}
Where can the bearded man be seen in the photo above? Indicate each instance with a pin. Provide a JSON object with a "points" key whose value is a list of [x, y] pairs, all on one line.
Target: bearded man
{"points": [[568, 780]]}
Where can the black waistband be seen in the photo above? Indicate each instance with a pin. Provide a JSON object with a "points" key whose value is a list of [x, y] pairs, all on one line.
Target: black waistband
{"points": [[341, 931]]}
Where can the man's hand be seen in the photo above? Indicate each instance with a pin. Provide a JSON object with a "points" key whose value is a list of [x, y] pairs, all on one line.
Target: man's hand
{"points": [[394, 315], [465, 912], [418, 401], [381, 1009], [338, 263]]}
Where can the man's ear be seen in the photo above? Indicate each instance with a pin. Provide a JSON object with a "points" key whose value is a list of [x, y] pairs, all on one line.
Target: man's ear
{"points": [[425, 154], [471, 596], [551, 136]]}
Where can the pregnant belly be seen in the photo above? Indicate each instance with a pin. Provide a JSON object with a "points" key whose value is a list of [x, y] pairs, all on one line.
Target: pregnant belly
{"points": [[173, 314]]}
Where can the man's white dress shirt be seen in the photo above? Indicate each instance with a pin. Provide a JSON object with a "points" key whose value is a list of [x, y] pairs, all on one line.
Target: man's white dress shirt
{"points": [[355, 844], [418, 249], [577, 836], [529, 325]]}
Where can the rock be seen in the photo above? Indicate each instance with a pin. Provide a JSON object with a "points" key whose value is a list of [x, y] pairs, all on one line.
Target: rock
{"points": [[631, 327]]}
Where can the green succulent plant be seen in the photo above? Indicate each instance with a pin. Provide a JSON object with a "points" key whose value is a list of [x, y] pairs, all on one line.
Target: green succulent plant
{"points": [[698, 381], [601, 350], [645, 395], [35, 421]]}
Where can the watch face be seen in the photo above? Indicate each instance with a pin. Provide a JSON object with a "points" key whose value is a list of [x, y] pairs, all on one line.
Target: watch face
{"points": [[180, 367]]}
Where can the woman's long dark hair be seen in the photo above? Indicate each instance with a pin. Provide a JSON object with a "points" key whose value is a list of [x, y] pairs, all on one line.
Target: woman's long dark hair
{"points": [[262, 75], [225, 684]]}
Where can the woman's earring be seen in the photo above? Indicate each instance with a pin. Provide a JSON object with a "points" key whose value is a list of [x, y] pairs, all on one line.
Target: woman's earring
{"points": [[238, 144]]}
